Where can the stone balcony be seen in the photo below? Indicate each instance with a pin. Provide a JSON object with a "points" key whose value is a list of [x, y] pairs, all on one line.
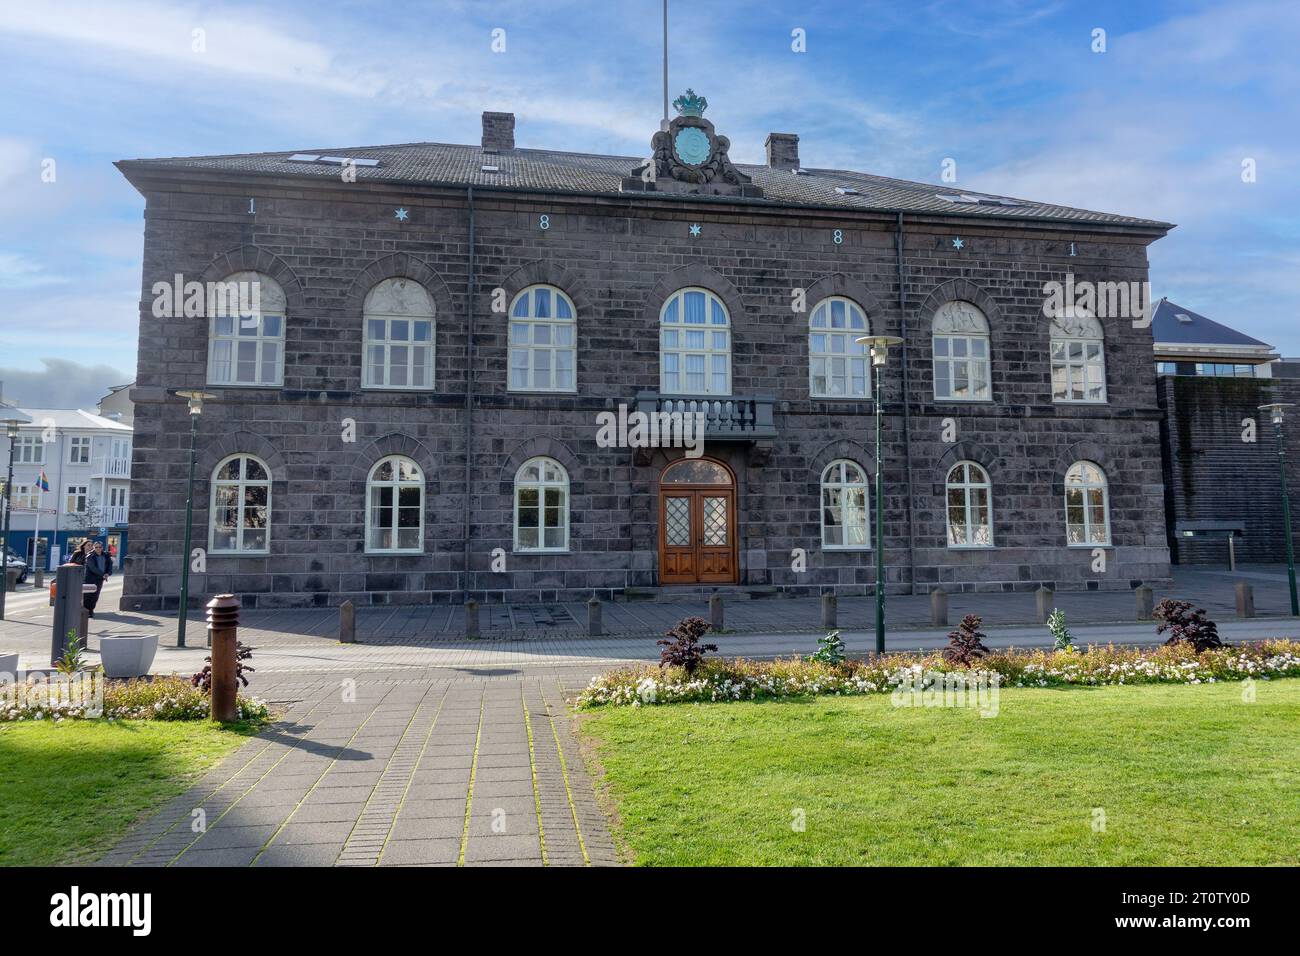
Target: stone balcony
{"points": [[726, 418]]}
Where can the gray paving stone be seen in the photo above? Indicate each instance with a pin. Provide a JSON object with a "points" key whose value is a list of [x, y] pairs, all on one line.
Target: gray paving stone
{"points": [[420, 852], [294, 833], [309, 854]]}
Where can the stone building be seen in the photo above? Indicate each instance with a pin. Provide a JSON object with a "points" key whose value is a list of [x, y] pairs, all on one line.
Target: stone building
{"points": [[411, 410]]}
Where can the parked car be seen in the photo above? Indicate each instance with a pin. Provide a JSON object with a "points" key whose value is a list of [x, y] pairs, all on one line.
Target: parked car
{"points": [[13, 561]]}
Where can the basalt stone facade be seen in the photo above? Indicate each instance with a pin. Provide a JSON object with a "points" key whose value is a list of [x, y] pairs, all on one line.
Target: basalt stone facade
{"points": [[619, 255]]}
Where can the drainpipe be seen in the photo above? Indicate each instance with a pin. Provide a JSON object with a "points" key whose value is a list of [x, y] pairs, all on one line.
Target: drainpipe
{"points": [[471, 293], [907, 403]]}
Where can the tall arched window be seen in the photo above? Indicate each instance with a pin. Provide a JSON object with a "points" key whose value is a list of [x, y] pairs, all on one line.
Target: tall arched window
{"points": [[1087, 506], [241, 507], [961, 353], [1078, 359], [246, 331], [970, 506], [395, 507], [541, 506], [837, 365], [845, 519], [542, 341], [694, 345], [398, 317]]}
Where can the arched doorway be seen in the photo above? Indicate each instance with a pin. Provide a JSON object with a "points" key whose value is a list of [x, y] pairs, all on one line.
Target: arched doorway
{"points": [[697, 523]]}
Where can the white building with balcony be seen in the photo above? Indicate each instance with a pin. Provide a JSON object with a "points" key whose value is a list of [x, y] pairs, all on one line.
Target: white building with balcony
{"points": [[86, 461]]}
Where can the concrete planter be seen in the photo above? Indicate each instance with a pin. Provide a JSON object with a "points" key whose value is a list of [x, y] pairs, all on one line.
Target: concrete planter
{"points": [[9, 665], [127, 656]]}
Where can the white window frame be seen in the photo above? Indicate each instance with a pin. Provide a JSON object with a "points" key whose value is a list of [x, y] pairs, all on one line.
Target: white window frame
{"points": [[115, 493], [839, 478], [838, 346], [524, 328], [82, 494], [240, 484], [1078, 330], [673, 328], [959, 325], [541, 486], [1089, 489], [970, 486], [395, 300], [25, 497], [225, 325], [29, 450], [397, 483], [79, 443]]}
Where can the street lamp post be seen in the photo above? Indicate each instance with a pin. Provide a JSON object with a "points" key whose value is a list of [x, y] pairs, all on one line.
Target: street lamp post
{"points": [[879, 346], [11, 429], [1278, 410], [196, 399]]}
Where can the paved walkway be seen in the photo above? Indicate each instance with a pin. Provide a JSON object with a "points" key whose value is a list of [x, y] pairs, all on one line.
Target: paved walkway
{"points": [[417, 768]]}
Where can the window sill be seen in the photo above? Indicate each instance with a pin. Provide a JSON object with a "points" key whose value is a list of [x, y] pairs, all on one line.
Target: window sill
{"points": [[1071, 401], [415, 552], [963, 401], [1092, 546], [972, 547], [541, 551], [241, 385], [843, 548], [541, 391], [398, 388], [238, 554], [839, 398]]}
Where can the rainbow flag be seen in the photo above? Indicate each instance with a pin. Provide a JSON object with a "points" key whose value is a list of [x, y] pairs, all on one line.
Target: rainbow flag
{"points": [[42, 482]]}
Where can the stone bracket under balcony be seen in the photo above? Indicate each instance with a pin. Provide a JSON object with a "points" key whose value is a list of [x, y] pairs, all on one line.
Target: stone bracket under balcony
{"points": [[733, 419]]}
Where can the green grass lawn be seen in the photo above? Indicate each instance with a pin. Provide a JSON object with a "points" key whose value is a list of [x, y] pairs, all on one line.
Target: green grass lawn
{"points": [[68, 791], [1185, 775]]}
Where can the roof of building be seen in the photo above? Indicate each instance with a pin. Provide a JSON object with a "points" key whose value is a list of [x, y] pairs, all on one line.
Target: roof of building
{"points": [[71, 419], [544, 170], [1172, 324]]}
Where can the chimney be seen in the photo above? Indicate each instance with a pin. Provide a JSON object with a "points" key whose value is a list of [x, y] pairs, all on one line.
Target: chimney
{"points": [[498, 131], [782, 150]]}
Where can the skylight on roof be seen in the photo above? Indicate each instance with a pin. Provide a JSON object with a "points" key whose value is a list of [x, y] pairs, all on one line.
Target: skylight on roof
{"points": [[847, 191], [800, 172], [332, 160], [489, 169], [971, 200], [1184, 318], [304, 157]]}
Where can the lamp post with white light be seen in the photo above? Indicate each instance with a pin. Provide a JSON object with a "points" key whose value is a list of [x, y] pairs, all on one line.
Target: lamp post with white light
{"points": [[1278, 411], [11, 422], [879, 346], [196, 400]]}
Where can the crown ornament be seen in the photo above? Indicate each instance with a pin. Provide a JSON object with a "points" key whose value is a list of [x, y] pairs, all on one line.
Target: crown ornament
{"points": [[688, 104]]}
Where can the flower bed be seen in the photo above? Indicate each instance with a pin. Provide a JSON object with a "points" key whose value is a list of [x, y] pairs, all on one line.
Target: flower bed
{"points": [[90, 696], [722, 679]]}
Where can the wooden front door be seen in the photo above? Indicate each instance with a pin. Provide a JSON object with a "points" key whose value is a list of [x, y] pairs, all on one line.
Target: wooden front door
{"points": [[697, 524]]}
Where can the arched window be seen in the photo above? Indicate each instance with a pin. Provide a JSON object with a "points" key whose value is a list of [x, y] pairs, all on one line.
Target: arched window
{"points": [[542, 341], [541, 506], [1078, 359], [837, 365], [398, 318], [246, 331], [395, 507], [241, 507], [845, 519], [961, 353], [1087, 506], [694, 345], [970, 508]]}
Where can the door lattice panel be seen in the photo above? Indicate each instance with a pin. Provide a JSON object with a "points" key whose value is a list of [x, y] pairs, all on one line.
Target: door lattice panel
{"points": [[677, 521], [715, 521]]}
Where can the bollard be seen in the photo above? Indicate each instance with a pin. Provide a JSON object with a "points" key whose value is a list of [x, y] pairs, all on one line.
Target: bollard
{"points": [[471, 618], [38, 582], [939, 608], [1245, 600], [347, 623], [53, 588], [594, 623], [67, 608], [830, 611], [83, 629], [223, 624], [1146, 603], [1046, 603], [715, 612]]}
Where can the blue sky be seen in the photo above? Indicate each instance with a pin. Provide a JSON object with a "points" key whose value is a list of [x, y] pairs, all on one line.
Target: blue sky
{"points": [[1158, 125]]}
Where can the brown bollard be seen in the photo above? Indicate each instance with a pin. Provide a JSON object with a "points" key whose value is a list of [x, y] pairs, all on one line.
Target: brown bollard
{"points": [[1045, 600], [1245, 600], [830, 611], [939, 608], [1146, 603], [595, 624], [347, 623], [223, 625], [471, 618], [83, 628], [715, 612]]}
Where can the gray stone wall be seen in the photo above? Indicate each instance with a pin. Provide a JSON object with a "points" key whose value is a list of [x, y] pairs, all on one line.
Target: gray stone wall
{"points": [[327, 243]]}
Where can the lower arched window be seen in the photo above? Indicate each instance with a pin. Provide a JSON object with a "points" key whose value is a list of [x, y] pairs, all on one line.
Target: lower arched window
{"points": [[970, 508], [845, 519], [395, 506], [1087, 506], [241, 507], [541, 506]]}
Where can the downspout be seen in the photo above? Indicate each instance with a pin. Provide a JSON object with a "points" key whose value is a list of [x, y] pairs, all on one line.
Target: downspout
{"points": [[469, 388], [907, 404]]}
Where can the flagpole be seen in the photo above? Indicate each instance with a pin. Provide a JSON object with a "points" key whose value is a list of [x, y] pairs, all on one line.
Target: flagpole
{"points": [[36, 529], [665, 123]]}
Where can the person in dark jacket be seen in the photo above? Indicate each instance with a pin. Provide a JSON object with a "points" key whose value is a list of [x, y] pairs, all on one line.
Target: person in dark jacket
{"points": [[99, 568]]}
